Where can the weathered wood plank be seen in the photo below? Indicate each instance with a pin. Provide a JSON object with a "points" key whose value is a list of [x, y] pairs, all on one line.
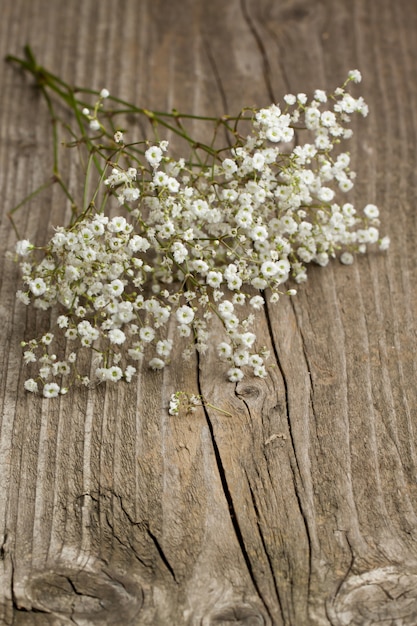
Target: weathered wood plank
{"points": [[300, 508]]}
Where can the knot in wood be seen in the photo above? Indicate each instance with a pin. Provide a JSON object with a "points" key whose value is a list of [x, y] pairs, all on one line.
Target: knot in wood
{"points": [[235, 615], [95, 597], [247, 391], [387, 595]]}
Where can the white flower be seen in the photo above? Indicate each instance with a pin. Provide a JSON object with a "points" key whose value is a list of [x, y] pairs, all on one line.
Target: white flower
{"points": [[23, 297], [234, 283], [226, 309], [51, 390], [174, 404], [130, 194], [328, 118], [29, 356], [104, 93], [166, 229], [200, 266], [347, 258], [47, 339], [259, 283], [116, 287], [269, 268], [241, 357], [258, 161], [247, 339], [164, 347], [184, 330], [257, 302], [173, 185], [23, 247], [31, 385], [373, 234], [138, 244], [136, 352], [355, 75], [185, 314], [290, 99], [384, 243], [229, 166], [259, 233], [156, 364], [224, 350], [114, 373], [37, 286], [117, 336], [160, 179], [214, 279], [259, 371], [117, 224], [94, 125], [371, 211], [153, 155], [320, 95], [255, 360], [147, 334], [179, 252], [129, 372], [235, 374], [325, 194]]}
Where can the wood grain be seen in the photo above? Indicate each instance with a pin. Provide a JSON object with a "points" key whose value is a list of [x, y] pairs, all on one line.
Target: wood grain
{"points": [[300, 508]]}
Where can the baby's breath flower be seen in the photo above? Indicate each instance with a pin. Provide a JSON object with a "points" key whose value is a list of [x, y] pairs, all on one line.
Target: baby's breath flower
{"points": [[114, 373], [346, 258], [185, 314], [117, 336], [47, 338], [31, 385], [156, 364], [154, 155], [257, 302], [129, 373], [94, 125], [355, 75], [147, 334], [51, 390], [198, 241], [29, 356], [23, 247], [235, 374], [37, 286], [384, 243], [371, 211]]}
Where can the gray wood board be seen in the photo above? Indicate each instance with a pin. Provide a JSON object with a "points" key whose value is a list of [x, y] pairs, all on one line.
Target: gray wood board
{"points": [[301, 508]]}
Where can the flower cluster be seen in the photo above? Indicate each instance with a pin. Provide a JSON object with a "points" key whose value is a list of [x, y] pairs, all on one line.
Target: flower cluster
{"points": [[197, 242]]}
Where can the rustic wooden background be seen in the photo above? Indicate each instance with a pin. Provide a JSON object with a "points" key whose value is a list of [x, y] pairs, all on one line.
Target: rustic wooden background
{"points": [[301, 509]]}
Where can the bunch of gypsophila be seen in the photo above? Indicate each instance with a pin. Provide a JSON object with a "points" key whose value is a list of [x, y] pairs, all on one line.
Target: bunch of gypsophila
{"points": [[195, 237]]}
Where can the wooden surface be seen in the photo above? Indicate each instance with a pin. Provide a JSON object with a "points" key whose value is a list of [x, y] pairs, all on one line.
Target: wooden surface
{"points": [[301, 508]]}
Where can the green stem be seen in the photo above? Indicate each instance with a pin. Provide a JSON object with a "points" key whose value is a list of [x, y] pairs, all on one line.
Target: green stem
{"points": [[45, 79], [216, 408]]}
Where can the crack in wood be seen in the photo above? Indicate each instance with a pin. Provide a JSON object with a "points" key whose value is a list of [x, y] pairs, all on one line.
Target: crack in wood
{"points": [[297, 475], [264, 546], [145, 527], [228, 496], [161, 553], [261, 48], [219, 83]]}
